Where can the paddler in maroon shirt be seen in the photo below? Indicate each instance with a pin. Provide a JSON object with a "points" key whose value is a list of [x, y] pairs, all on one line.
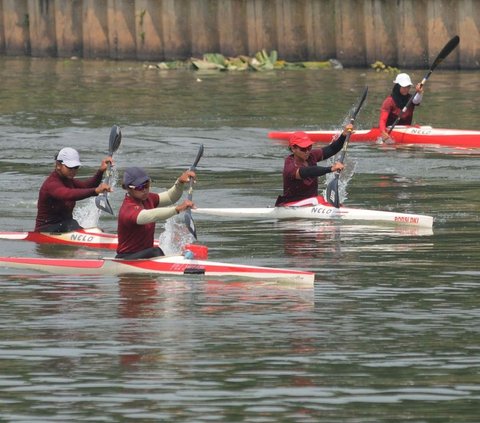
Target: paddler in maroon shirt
{"points": [[60, 191], [300, 172], [141, 209]]}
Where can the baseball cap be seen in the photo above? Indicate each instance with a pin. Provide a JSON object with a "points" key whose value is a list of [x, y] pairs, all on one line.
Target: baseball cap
{"points": [[134, 176], [300, 139], [403, 80], [69, 157]]}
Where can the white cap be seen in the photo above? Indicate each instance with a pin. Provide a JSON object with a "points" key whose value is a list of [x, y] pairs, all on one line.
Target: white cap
{"points": [[403, 80], [69, 157]]}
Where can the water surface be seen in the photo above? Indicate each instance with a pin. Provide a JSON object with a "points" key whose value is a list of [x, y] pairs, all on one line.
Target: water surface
{"points": [[390, 331]]}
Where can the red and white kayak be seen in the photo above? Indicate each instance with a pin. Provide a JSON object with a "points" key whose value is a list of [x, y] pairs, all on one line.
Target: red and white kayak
{"points": [[317, 208], [415, 135], [92, 237], [165, 265]]}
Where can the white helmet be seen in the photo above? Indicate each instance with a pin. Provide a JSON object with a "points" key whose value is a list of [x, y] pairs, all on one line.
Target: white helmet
{"points": [[403, 80]]}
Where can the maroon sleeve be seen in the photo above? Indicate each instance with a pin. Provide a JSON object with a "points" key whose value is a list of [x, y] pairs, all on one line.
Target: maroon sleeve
{"points": [[385, 111], [58, 190], [92, 182]]}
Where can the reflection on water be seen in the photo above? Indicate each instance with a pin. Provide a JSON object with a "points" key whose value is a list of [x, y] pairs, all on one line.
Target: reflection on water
{"points": [[389, 329]]}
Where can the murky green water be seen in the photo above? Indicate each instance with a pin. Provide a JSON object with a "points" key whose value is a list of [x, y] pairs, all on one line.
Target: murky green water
{"points": [[390, 331]]}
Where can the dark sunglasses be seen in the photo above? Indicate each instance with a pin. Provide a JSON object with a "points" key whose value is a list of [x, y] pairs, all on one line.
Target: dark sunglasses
{"points": [[304, 149], [71, 168], [141, 187]]}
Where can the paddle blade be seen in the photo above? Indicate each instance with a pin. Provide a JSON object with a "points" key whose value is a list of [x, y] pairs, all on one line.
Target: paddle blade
{"points": [[190, 224], [199, 156], [360, 104], [332, 192], [449, 47], [114, 140], [102, 203]]}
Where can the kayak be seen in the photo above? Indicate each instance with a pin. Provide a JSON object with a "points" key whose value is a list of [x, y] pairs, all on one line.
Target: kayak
{"points": [[321, 210], [92, 237], [165, 265], [426, 135]]}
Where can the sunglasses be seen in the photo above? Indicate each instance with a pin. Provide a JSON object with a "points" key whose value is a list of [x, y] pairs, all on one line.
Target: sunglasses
{"points": [[71, 168], [141, 187], [304, 149]]}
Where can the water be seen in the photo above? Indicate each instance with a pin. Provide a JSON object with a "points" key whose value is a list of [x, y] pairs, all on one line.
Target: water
{"points": [[390, 331]]}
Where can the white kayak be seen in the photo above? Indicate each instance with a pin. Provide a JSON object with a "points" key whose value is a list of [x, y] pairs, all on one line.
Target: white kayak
{"points": [[322, 210], [165, 265]]}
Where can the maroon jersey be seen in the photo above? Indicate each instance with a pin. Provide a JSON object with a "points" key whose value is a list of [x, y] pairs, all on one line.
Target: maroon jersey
{"points": [[390, 111], [133, 237], [298, 189], [58, 196]]}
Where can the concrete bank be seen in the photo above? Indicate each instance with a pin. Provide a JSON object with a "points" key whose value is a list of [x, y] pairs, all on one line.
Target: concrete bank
{"points": [[402, 33]]}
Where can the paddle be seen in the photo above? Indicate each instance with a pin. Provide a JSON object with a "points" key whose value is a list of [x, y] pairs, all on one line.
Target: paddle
{"points": [[188, 213], [332, 188], [446, 50], [101, 201]]}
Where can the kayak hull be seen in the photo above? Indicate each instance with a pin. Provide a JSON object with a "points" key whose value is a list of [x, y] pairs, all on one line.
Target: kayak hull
{"points": [[414, 135], [321, 211], [93, 238], [165, 265]]}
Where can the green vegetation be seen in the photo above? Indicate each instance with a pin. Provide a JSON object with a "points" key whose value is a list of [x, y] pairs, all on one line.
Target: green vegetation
{"points": [[262, 61], [379, 66]]}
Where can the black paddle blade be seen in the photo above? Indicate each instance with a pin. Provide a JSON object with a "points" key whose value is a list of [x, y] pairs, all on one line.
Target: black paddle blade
{"points": [[102, 203], [190, 223], [114, 140], [449, 47], [332, 192], [360, 104], [197, 159]]}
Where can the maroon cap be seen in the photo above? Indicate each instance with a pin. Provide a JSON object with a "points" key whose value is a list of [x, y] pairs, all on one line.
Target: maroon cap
{"points": [[300, 139]]}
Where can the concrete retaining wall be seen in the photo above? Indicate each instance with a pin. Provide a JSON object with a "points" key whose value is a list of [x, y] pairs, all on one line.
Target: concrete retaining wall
{"points": [[403, 33]]}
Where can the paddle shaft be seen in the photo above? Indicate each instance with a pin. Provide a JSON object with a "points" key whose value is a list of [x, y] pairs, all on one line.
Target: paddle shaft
{"points": [[332, 187], [352, 121], [447, 49], [188, 213]]}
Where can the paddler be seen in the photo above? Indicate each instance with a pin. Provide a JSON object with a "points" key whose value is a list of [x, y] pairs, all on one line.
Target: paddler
{"points": [[141, 209], [60, 191], [300, 171], [392, 106]]}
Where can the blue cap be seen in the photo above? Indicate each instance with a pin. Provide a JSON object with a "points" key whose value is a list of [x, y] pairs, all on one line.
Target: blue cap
{"points": [[134, 176]]}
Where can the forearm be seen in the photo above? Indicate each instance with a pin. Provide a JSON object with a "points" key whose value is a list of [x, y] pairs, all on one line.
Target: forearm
{"points": [[156, 214], [333, 148], [382, 122], [313, 171], [417, 99], [172, 195]]}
